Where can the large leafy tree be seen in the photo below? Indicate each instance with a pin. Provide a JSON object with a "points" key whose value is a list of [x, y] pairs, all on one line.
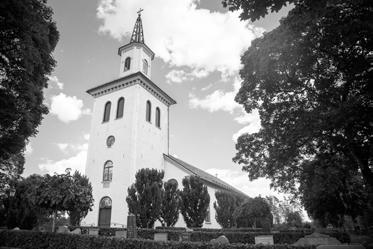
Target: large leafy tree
{"points": [[225, 205], [254, 213], [329, 190], [28, 35], [195, 201], [144, 197], [170, 204], [21, 210], [310, 79], [78, 207]]}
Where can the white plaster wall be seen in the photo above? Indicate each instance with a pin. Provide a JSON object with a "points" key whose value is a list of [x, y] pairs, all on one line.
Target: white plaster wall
{"points": [[138, 144], [137, 53], [173, 172]]}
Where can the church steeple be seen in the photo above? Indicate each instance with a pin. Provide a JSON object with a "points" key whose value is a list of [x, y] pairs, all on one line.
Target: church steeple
{"points": [[135, 55], [138, 33]]}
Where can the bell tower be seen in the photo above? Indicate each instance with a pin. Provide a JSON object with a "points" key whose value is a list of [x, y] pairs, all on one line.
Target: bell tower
{"points": [[135, 56], [129, 131]]}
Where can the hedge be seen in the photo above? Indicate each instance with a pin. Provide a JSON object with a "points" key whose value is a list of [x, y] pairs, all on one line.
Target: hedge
{"points": [[37, 240], [233, 235]]}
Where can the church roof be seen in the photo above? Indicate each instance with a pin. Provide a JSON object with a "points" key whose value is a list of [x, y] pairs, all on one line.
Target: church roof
{"points": [[138, 33], [137, 37], [130, 80], [202, 174]]}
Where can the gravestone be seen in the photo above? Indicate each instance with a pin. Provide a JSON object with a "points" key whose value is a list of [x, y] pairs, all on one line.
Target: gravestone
{"points": [[221, 240], [161, 236], [351, 246], [131, 227], [121, 234], [62, 229], [76, 231], [93, 231], [317, 239], [264, 240], [184, 236]]}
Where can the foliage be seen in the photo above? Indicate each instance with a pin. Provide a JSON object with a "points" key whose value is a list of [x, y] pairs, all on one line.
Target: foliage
{"points": [[330, 190], [28, 36], [225, 205], [195, 201], [145, 197], [21, 210], [254, 213], [294, 219], [169, 213], [28, 239], [10, 171], [82, 202], [310, 80]]}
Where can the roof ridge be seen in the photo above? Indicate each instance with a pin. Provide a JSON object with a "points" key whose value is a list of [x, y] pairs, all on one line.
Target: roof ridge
{"points": [[207, 177]]}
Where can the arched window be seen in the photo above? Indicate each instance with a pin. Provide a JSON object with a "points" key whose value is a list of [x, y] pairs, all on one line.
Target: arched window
{"points": [[108, 171], [120, 107], [104, 215], [127, 64], [107, 111], [158, 117], [145, 66], [148, 111]]}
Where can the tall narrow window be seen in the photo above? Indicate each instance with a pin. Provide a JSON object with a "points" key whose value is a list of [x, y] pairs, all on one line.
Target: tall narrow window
{"points": [[104, 214], [158, 117], [120, 107], [127, 64], [108, 171], [145, 66], [148, 111], [107, 111]]}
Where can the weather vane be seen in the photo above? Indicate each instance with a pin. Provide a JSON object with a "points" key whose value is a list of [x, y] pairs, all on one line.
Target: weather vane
{"points": [[139, 12]]}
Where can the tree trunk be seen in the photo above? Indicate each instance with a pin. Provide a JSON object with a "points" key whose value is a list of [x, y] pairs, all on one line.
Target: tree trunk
{"points": [[365, 170], [54, 221]]}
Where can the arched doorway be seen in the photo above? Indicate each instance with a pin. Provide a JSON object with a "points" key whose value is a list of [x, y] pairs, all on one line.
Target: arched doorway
{"points": [[104, 216]]}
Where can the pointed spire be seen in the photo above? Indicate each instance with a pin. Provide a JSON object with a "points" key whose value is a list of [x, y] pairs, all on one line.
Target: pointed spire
{"points": [[137, 33]]}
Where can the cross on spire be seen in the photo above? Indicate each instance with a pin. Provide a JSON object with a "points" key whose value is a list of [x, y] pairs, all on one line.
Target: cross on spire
{"points": [[138, 33]]}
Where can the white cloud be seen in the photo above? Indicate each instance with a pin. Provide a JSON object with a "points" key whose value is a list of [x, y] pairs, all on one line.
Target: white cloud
{"points": [[86, 136], [177, 76], [181, 34], [75, 162], [67, 108], [55, 82], [62, 146], [29, 149], [240, 180]]}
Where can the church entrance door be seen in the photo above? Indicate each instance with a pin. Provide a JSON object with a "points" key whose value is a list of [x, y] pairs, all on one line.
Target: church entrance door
{"points": [[104, 216]]}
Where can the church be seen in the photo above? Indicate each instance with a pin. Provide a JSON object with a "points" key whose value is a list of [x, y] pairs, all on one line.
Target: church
{"points": [[130, 131]]}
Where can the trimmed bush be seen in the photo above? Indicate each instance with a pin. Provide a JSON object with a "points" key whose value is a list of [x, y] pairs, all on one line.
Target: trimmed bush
{"points": [[246, 236], [36, 240]]}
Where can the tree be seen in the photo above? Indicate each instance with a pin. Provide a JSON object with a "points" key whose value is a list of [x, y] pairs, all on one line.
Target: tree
{"points": [[329, 190], [195, 201], [145, 197], [170, 204], [28, 35], [21, 210], [10, 171], [78, 207], [225, 205], [254, 213], [294, 219], [310, 80]]}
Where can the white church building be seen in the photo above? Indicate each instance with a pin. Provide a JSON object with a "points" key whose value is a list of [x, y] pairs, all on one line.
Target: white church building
{"points": [[130, 131]]}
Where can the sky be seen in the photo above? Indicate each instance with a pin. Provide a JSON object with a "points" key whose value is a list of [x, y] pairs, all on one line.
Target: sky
{"points": [[198, 45]]}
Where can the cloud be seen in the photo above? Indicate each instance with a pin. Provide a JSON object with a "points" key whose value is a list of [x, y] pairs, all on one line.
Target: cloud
{"points": [[75, 162], [181, 34], [86, 136], [240, 180], [54, 82], [62, 146], [29, 149], [67, 108], [177, 76]]}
